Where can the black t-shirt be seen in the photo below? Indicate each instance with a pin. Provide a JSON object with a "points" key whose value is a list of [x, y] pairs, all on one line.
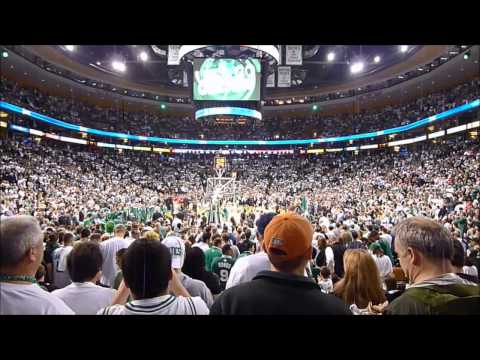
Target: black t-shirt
{"points": [[65, 220], [393, 294], [275, 293], [49, 249], [321, 258], [212, 281], [338, 251]]}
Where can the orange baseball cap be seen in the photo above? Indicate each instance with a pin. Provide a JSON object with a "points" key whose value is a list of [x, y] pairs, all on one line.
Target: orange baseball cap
{"points": [[288, 237]]}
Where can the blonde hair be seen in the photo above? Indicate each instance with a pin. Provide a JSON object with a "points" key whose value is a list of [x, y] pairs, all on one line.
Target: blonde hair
{"points": [[361, 282], [151, 235]]}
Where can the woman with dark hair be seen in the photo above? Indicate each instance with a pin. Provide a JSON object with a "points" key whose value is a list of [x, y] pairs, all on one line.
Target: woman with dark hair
{"points": [[339, 249], [324, 255], [194, 267]]}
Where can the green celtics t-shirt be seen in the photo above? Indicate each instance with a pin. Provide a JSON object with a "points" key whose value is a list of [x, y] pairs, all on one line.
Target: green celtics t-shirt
{"points": [[222, 266], [210, 255]]}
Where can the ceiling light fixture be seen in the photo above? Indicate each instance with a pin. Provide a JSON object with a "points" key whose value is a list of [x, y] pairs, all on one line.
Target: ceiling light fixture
{"points": [[376, 59], [403, 48], [143, 56], [70, 47], [119, 66], [330, 56], [356, 67]]}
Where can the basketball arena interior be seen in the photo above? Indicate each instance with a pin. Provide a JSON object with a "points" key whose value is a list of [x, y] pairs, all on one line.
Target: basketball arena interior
{"points": [[239, 180]]}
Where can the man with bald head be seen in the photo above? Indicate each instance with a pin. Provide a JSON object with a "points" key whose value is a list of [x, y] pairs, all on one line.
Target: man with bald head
{"points": [[21, 252], [425, 249]]}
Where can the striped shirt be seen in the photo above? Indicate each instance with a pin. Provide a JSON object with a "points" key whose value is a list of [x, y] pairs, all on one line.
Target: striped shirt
{"points": [[162, 305]]}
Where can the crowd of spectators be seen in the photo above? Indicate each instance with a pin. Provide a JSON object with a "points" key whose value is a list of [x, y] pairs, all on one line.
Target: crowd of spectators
{"points": [[315, 125], [373, 233], [89, 230]]}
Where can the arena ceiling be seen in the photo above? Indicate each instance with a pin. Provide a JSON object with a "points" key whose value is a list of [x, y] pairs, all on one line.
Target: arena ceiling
{"points": [[448, 74], [148, 64], [145, 68]]}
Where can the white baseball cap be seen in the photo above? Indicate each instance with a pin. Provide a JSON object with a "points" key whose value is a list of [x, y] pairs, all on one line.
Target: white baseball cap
{"points": [[177, 250], [177, 225]]}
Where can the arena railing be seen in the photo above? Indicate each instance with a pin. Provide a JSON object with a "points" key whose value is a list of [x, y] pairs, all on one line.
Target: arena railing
{"points": [[396, 130], [395, 144]]}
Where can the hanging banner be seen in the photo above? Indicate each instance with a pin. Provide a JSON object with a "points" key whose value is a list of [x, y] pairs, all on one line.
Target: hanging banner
{"points": [[293, 54], [271, 80], [279, 54], [284, 76], [173, 55], [185, 79]]}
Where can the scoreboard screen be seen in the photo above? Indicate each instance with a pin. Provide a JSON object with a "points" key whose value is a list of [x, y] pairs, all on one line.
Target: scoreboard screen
{"points": [[226, 79]]}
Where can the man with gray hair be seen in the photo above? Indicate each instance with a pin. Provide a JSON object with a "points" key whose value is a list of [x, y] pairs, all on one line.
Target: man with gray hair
{"points": [[21, 253], [425, 249]]}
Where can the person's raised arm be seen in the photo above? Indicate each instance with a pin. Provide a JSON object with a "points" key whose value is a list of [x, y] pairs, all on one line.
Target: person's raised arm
{"points": [[176, 286], [122, 294]]}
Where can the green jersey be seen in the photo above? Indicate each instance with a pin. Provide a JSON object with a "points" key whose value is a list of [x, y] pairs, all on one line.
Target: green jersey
{"points": [[210, 255], [222, 266]]}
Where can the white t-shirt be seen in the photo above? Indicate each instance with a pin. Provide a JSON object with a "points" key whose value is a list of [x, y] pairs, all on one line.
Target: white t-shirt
{"points": [[201, 245], [384, 265], [197, 287], [30, 299], [330, 234], [387, 238], [245, 268], [85, 298], [326, 286], [162, 305], [61, 278], [109, 250], [329, 258], [470, 270]]}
